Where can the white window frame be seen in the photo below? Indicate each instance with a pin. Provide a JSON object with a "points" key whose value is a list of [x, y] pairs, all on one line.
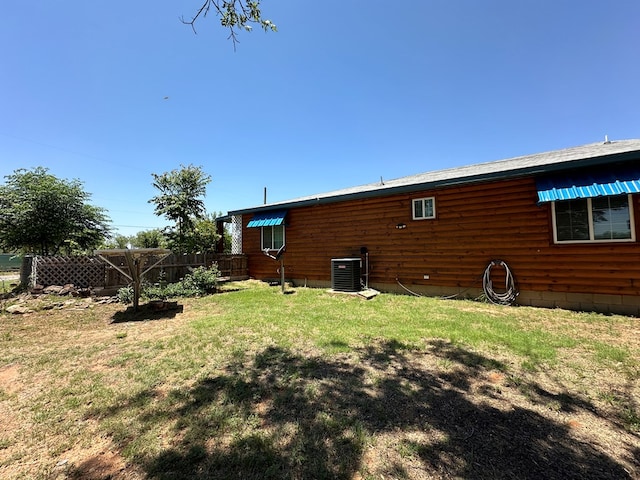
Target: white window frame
{"points": [[270, 230], [424, 202], [592, 238]]}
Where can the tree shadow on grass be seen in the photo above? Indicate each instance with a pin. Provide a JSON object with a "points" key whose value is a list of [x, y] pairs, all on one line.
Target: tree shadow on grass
{"points": [[281, 415], [146, 312]]}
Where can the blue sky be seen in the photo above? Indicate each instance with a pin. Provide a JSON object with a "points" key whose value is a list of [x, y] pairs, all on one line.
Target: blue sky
{"points": [[346, 92]]}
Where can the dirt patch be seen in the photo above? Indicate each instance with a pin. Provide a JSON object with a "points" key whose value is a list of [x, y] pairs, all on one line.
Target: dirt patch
{"points": [[9, 378], [97, 462]]}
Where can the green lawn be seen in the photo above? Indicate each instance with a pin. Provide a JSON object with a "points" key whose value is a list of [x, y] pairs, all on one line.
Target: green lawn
{"points": [[253, 383]]}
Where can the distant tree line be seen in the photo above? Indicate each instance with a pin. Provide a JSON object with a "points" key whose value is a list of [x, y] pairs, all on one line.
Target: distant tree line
{"points": [[45, 215]]}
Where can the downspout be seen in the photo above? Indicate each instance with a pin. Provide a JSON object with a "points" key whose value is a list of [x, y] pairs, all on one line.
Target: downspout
{"points": [[365, 251]]}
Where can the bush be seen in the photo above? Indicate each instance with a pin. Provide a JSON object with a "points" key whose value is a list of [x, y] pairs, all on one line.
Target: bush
{"points": [[154, 292], [125, 295], [204, 280], [201, 281]]}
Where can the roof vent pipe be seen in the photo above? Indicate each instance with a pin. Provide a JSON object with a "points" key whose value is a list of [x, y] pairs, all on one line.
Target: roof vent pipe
{"points": [[606, 140]]}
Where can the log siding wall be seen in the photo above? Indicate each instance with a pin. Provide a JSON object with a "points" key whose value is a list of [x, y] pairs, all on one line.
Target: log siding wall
{"points": [[474, 224]]}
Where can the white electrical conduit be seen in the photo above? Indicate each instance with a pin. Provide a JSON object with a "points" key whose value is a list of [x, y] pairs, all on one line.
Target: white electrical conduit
{"points": [[508, 297]]}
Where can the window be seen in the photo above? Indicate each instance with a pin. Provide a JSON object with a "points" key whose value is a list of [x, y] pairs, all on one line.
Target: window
{"points": [[272, 237], [424, 208], [600, 219]]}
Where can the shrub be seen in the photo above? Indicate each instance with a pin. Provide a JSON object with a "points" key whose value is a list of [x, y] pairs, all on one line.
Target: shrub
{"points": [[154, 292], [204, 280], [125, 294], [200, 281]]}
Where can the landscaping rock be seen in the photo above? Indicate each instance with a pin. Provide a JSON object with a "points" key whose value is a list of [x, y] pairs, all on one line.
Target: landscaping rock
{"points": [[52, 290], [105, 300], [53, 306], [68, 290], [18, 309], [61, 290]]}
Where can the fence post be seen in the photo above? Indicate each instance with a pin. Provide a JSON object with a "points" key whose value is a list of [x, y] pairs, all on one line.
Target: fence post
{"points": [[25, 271]]}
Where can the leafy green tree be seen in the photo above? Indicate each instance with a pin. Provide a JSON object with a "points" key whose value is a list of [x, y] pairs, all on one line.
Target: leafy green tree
{"points": [[227, 239], [150, 239], [236, 15], [204, 235], [180, 200], [117, 241], [145, 239], [45, 215]]}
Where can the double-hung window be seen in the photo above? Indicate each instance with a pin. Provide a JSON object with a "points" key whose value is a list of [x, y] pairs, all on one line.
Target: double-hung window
{"points": [[598, 219], [272, 237], [424, 208]]}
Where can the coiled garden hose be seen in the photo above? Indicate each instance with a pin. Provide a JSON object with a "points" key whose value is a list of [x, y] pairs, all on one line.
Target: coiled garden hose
{"points": [[508, 297]]}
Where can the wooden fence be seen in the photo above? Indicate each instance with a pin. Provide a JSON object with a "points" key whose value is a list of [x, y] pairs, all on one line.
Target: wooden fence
{"points": [[92, 272], [173, 268]]}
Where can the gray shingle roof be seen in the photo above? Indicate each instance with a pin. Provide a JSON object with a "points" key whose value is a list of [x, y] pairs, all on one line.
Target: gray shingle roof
{"points": [[540, 163]]}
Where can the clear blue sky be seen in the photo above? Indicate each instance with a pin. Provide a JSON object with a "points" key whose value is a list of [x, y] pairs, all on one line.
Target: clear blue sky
{"points": [[346, 92]]}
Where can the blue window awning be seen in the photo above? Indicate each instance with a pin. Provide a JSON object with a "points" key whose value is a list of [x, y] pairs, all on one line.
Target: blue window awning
{"points": [[268, 219], [587, 185]]}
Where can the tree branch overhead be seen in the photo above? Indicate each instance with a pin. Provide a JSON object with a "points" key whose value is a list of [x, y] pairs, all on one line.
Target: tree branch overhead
{"points": [[236, 15]]}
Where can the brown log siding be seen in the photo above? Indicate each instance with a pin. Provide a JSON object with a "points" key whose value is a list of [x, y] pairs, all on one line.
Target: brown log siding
{"points": [[474, 224]]}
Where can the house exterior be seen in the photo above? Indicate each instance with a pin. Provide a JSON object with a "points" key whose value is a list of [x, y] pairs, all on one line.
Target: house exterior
{"points": [[565, 223]]}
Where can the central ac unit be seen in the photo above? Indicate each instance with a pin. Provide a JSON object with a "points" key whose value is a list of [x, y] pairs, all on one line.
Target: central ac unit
{"points": [[345, 274]]}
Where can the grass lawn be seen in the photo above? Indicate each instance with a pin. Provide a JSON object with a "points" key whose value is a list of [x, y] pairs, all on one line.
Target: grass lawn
{"points": [[256, 384], [8, 281]]}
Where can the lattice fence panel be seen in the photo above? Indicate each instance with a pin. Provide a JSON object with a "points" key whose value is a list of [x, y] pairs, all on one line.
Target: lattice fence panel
{"points": [[80, 271], [236, 234], [93, 272]]}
